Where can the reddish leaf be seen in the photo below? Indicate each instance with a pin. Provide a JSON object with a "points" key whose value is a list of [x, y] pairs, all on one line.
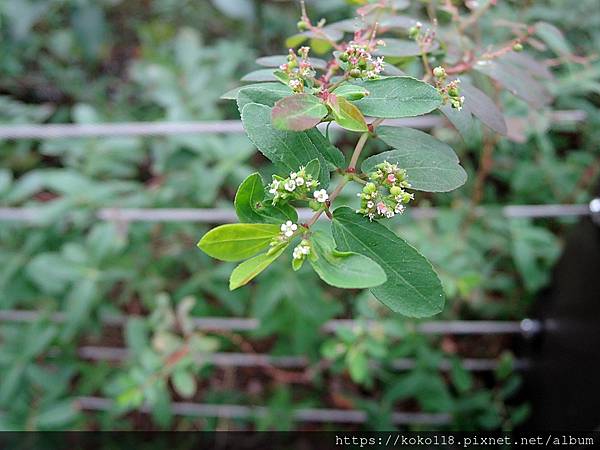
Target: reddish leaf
{"points": [[298, 112]]}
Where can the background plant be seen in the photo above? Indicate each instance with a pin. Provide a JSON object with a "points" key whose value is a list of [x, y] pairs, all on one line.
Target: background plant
{"points": [[165, 60]]}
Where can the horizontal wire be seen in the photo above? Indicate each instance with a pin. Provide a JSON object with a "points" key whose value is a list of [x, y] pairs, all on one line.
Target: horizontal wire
{"points": [[71, 130], [226, 215], [243, 412], [233, 359], [456, 327]]}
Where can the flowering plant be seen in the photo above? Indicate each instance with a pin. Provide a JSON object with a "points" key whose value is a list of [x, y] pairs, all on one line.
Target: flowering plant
{"points": [[361, 85]]}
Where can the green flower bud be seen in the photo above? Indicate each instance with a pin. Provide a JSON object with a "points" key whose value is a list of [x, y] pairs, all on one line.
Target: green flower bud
{"points": [[395, 190], [302, 25], [344, 57], [439, 72], [314, 205], [362, 64], [413, 32], [518, 47], [355, 73], [453, 92], [406, 197], [370, 188]]}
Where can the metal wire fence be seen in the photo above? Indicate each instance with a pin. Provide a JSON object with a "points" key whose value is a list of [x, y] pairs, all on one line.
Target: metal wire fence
{"points": [[526, 327]]}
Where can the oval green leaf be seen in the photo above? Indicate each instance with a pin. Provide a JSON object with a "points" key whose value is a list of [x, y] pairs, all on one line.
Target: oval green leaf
{"points": [[237, 241], [289, 150], [395, 97], [261, 93], [430, 165], [249, 269], [346, 114], [250, 207], [346, 270], [412, 287], [351, 91], [298, 112]]}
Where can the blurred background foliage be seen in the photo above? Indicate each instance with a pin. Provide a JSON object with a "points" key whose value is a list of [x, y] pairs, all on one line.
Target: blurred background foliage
{"points": [[85, 61]]}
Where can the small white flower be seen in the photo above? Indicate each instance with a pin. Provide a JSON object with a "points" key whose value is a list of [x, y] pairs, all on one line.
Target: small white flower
{"points": [[290, 185], [400, 208], [294, 84], [370, 204], [389, 214], [321, 196], [293, 175], [381, 208], [301, 251], [299, 181], [288, 228]]}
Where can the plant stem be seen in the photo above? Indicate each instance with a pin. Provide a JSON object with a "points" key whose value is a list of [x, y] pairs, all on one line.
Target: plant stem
{"points": [[357, 151]]}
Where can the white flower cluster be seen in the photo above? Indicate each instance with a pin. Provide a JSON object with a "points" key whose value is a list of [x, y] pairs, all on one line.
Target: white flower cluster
{"points": [[384, 195], [288, 229], [302, 250], [321, 195], [297, 186]]}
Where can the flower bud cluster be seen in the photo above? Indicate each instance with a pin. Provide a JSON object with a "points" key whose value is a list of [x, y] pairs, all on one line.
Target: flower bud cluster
{"points": [[298, 69], [385, 195], [359, 62], [298, 186], [423, 38], [302, 250], [450, 91]]}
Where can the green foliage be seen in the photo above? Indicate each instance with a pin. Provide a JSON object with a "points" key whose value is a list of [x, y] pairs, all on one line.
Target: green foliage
{"points": [[396, 97], [250, 204], [234, 242], [343, 269], [412, 287], [430, 165]]}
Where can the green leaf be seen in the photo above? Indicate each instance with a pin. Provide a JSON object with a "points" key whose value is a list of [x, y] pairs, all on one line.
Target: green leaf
{"points": [[298, 112], [260, 75], [184, 383], [313, 168], [57, 415], [358, 364], [346, 270], [412, 287], [250, 208], [249, 269], [289, 150], [237, 241], [516, 80], [484, 108], [395, 97], [553, 37], [295, 40], [351, 91], [261, 93], [346, 114], [430, 165], [463, 122]]}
